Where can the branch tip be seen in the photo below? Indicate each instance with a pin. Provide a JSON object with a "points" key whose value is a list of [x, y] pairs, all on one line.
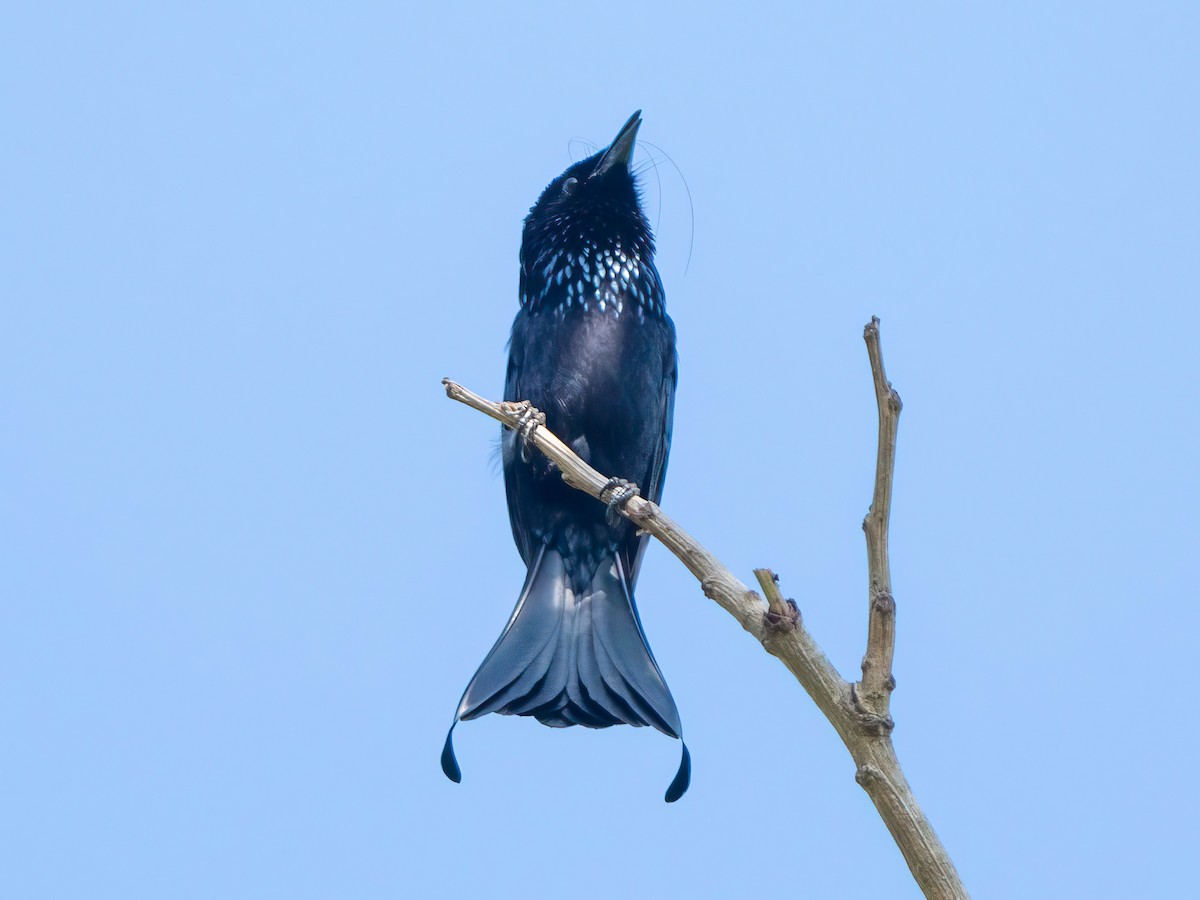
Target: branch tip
{"points": [[873, 693]]}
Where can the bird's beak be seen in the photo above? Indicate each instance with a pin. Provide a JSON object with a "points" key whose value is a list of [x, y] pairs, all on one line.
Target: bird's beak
{"points": [[620, 151]]}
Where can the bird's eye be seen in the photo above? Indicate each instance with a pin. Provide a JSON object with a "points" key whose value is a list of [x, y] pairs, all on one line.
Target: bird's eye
{"points": [[569, 185]]}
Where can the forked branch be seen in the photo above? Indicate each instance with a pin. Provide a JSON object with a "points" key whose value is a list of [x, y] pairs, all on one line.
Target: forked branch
{"points": [[859, 711]]}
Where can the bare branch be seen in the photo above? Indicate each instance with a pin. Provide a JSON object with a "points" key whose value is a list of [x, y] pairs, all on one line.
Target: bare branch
{"points": [[716, 580], [874, 692], [859, 711]]}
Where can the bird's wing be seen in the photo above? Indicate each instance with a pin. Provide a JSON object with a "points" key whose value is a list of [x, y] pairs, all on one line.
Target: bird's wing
{"points": [[510, 456], [652, 481]]}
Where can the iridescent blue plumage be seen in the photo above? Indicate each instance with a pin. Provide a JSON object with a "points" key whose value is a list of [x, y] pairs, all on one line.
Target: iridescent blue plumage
{"points": [[593, 348]]}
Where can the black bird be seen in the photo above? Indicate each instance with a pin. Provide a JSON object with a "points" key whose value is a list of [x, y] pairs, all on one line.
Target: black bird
{"points": [[593, 348]]}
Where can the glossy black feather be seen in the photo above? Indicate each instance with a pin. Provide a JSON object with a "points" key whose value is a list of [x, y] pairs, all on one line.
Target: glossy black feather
{"points": [[593, 348]]}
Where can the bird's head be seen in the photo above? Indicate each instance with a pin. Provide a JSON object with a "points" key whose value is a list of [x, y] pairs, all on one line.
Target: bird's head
{"points": [[594, 204]]}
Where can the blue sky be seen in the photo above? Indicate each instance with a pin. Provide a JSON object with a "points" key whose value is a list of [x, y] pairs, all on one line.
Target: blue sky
{"points": [[251, 555]]}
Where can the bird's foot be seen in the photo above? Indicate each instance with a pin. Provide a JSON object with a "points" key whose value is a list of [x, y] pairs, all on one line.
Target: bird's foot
{"points": [[619, 493], [527, 422]]}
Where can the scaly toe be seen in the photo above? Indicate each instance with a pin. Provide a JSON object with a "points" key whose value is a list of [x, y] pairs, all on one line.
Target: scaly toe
{"points": [[619, 493]]}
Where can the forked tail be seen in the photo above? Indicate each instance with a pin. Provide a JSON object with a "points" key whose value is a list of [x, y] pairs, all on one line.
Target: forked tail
{"points": [[573, 657]]}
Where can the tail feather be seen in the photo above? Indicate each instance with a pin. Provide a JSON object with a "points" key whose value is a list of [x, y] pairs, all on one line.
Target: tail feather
{"points": [[619, 636], [573, 658], [640, 711], [520, 659], [581, 667], [593, 683]]}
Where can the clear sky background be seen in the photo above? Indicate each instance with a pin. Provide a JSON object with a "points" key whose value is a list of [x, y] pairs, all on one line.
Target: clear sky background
{"points": [[250, 555]]}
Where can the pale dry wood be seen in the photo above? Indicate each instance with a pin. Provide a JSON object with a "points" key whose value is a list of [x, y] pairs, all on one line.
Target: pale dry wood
{"points": [[874, 691], [859, 711]]}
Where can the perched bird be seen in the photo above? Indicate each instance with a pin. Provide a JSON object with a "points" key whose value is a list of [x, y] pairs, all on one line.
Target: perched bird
{"points": [[593, 348]]}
